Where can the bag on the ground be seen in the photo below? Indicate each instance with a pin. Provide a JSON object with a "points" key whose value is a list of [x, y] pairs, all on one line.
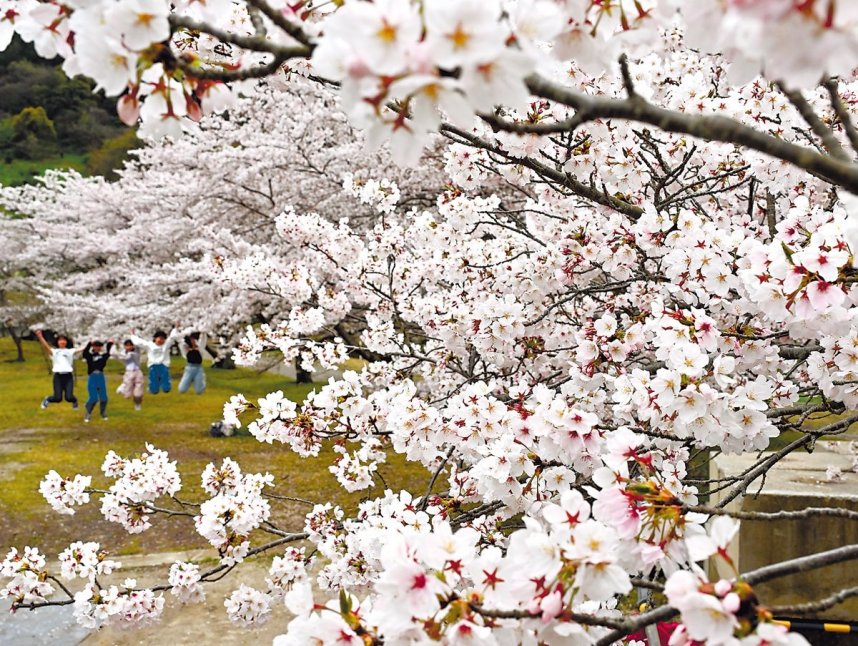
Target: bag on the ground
{"points": [[221, 429]]}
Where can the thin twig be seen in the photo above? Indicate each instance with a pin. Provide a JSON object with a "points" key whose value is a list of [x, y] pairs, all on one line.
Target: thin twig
{"points": [[812, 119], [842, 113]]}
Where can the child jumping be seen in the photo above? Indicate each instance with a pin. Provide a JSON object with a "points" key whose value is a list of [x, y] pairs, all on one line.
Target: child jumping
{"points": [[132, 382], [96, 356], [62, 367], [158, 359], [194, 369]]}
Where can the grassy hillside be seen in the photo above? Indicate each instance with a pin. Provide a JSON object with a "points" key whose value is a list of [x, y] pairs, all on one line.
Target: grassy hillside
{"points": [[24, 171], [48, 120], [33, 441]]}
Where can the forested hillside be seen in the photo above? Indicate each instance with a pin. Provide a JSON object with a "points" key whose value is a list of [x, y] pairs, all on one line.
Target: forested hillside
{"points": [[48, 120]]}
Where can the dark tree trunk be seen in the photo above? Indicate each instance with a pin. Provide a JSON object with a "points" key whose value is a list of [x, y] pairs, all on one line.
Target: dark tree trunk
{"points": [[223, 363], [302, 376], [16, 339]]}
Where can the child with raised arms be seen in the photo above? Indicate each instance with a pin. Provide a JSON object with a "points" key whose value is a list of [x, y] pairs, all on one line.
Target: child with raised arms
{"points": [[158, 358], [133, 381], [62, 367], [96, 356]]}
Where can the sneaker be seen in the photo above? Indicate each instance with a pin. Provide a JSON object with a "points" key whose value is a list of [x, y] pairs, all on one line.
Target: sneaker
{"points": [[74, 406], [104, 418], [138, 407], [45, 403], [86, 418]]}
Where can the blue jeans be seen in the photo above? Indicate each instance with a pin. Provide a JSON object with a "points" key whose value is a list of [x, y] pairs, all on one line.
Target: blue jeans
{"points": [[159, 379], [193, 374], [97, 387]]}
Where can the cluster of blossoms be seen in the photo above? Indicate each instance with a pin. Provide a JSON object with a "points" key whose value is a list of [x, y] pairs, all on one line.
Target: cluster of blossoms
{"points": [[139, 483], [27, 576], [288, 583], [382, 194], [834, 369], [236, 508], [85, 561], [122, 606], [340, 401], [94, 606], [722, 613], [248, 606], [288, 578], [185, 584], [290, 337], [62, 494], [354, 470], [803, 273]]}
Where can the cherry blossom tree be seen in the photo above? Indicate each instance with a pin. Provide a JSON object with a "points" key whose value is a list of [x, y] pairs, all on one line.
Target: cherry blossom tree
{"points": [[18, 308], [670, 268], [120, 257]]}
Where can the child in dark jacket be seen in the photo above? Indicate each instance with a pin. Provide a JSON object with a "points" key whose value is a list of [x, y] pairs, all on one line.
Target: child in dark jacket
{"points": [[193, 373], [96, 356]]}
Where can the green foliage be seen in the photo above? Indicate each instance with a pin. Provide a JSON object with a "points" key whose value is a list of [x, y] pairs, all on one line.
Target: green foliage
{"points": [[111, 155], [23, 171], [6, 134], [33, 134], [80, 119]]}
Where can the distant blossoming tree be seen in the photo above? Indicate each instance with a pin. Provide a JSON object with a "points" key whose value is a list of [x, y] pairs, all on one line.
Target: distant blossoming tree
{"points": [[105, 256]]}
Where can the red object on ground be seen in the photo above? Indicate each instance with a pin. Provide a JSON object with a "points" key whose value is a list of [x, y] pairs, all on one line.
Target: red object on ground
{"points": [[665, 630]]}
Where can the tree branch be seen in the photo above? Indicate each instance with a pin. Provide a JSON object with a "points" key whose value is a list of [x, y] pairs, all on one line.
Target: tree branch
{"points": [[825, 134], [801, 564], [763, 467], [707, 127], [842, 113], [564, 179], [815, 606], [280, 20], [808, 512]]}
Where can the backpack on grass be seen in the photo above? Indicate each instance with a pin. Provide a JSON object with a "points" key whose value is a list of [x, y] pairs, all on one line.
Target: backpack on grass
{"points": [[221, 429]]}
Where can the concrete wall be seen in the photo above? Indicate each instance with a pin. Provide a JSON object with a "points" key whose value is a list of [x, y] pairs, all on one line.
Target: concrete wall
{"points": [[795, 483]]}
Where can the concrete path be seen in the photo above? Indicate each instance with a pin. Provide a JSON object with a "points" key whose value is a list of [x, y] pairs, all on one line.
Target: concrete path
{"points": [[54, 625], [191, 625], [198, 624]]}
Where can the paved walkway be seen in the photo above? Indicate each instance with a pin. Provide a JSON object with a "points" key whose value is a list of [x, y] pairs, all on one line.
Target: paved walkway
{"points": [[191, 625], [54, 626]]}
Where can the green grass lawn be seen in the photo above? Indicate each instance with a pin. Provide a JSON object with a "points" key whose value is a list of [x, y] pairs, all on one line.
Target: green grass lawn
{"points": [[24, 171], [33, 441]]}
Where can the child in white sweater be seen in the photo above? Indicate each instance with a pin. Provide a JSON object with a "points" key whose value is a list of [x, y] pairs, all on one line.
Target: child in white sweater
{"points": [[158, 359], [62, 367]]}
